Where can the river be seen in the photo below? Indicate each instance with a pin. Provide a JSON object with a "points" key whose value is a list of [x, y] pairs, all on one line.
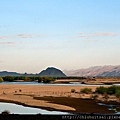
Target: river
{"points": [[19, 109], [49, 84]]}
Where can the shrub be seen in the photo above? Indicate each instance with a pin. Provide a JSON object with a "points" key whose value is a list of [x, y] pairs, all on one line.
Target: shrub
{"points": [[20, 90], [46, 79], [111, 90], [1, 80], [86, 90], [72, 90], [8, 78], [117, 93], [101, 90]]}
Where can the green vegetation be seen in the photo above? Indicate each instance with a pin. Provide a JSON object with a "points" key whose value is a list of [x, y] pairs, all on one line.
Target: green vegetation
{"points": [[112, 90], [72, 90], [26, 78], [101, 90], [46, 79], [1, 79], [13, 78], [86, 90], [117, 94], [106, 91], [9, 78]]}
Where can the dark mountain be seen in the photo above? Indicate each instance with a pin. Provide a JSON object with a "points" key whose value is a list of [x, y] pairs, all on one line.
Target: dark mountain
{"points": [[52, 72], [103, 71], [5, 73]]}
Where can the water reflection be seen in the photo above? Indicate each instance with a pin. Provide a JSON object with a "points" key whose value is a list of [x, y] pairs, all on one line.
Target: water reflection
{"points": [[19, 109]]}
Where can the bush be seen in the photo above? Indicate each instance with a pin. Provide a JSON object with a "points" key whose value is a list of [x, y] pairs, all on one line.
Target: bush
{"points": [[86, 90], [117, 93], [46, 79], [101, 90], [20, 90], [72, 90], [8, 78], [1, 80], [111, 90]]}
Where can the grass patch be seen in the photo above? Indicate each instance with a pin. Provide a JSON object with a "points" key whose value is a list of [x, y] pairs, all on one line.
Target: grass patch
{"points": [[86, 90]]}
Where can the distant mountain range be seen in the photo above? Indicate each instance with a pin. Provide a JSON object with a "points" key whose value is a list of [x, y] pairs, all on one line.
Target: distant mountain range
{"points": [[103, 71], [6, 73], [50, 71]]}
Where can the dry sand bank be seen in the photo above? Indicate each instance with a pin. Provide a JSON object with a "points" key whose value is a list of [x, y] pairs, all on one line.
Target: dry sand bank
{"points": [[50, 97]]}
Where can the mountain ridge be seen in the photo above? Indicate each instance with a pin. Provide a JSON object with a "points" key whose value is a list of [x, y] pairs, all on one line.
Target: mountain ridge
{"points": [[50, 71], [103, 71]]}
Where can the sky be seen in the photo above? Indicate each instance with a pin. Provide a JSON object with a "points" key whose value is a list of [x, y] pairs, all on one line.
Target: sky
{"points": [[66, 34]]}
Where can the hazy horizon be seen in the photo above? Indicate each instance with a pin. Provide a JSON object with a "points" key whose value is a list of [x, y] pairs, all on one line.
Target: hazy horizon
{"points": [[68, 34]]}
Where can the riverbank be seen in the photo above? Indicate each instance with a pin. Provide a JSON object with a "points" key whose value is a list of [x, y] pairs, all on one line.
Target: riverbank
{"points": [[57, 98]]}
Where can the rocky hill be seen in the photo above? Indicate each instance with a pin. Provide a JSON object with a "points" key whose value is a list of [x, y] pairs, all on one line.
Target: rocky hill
{"points": [[52, 72], [103, 71]]}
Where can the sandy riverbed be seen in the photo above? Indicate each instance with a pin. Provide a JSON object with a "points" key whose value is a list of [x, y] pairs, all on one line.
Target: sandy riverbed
{"points": [[48, 97]]}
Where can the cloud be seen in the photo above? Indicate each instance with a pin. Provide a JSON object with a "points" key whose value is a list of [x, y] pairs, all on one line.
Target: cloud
{"points": [[22, 36], [31, 35], [6, 37], [25, 36], [105, 34], [3, 37], [7, 43], [99, 34]]}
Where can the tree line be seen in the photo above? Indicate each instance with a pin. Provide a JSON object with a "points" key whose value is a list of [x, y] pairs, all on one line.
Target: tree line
{"points": [[44, 79]]}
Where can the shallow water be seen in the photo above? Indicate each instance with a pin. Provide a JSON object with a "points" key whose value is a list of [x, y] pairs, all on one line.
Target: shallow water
{"points": [[19, 109], [111, 107], [36, 83]]}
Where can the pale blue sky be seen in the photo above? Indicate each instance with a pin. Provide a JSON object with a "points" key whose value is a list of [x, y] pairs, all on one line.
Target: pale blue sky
{"points": [[67, 34]]}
